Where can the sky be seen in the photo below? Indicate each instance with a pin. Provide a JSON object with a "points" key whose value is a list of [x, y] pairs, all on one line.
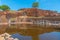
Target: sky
{"points": [[43, 4]]}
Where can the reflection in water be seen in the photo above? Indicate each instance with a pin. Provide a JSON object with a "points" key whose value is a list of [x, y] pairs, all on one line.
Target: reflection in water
{"points": [[32, 31], [20, 37], [45, 36], [50, 36]]}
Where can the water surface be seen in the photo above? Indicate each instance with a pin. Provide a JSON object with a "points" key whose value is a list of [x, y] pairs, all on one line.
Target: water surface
{"points": [[45, 36], [27, 32]]}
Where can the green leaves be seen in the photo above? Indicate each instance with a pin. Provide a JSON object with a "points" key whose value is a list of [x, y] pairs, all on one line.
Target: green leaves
{"points": [[4, 7], [35, 4]]}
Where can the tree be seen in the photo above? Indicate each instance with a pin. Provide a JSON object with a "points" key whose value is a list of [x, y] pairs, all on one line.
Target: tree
{"points": [[35, 4], [4, 7]]}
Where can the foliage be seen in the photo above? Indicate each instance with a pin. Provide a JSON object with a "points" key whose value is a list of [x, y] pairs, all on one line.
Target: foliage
{"points": [[35, 4], [4, 7]]}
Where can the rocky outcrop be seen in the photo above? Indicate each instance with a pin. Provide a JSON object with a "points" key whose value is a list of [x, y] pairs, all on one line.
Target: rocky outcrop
{"points": [[7, 36], [39, 12], [29, 12]]}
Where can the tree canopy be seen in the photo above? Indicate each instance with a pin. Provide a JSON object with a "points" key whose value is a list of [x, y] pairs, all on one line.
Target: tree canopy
{"points": [[4, 7], [35, 4]]}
